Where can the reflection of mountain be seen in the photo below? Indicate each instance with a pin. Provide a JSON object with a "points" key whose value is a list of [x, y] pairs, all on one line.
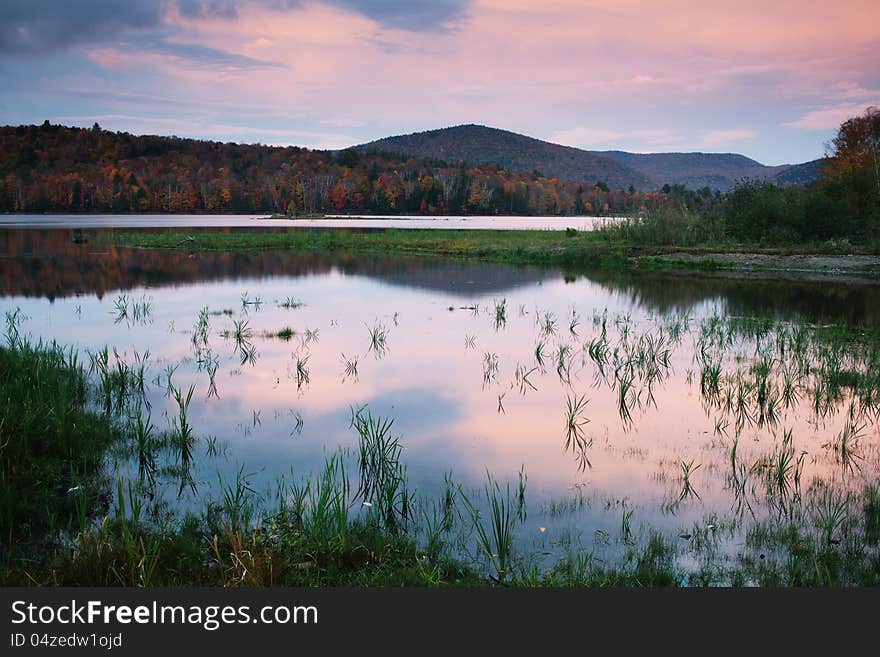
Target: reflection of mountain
{"points": [[48, 263], [823, 300]]}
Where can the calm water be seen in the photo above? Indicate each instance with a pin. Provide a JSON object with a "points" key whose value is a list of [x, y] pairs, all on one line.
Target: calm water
{"points": [[246, 221], [468, 393]]}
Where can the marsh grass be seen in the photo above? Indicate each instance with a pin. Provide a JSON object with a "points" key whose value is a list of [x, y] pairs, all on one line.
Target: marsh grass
{"points": [[183, 438], [301, 372], [687, 487], [781, 470], [547, 323], [298, 423], [350, 365], [201, 329], [132, 312], [378, 339], [328, 529], [523, 382], [845, 445], [310, 336], [210, 363], [500, 313], [383, 483], [540, 355], [495, 542], [575, 420], [564, 360], [248, 302], [490, 367], [143, 433], [286, 334], [50, 443]]}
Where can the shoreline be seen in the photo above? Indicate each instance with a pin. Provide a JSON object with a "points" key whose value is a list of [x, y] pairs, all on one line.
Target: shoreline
{"points": [[566, 248]]}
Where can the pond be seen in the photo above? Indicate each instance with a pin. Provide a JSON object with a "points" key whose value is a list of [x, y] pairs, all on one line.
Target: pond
{"points": [[623, 403]]}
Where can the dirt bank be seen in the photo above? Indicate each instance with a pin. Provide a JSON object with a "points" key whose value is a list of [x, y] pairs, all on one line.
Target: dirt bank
{"points": [[845, 265]]}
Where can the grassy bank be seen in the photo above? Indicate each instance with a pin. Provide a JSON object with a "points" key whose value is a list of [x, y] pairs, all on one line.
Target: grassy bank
{"points": [[51, 449], [551, 248], [644, 244]]}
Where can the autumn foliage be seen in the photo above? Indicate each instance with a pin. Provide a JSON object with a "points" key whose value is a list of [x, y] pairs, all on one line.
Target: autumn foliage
{"points": [[53, 168], [856, 145], [844, 204]]}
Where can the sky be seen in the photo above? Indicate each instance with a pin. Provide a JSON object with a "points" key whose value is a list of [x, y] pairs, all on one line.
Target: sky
{"points": [[770, 80]]}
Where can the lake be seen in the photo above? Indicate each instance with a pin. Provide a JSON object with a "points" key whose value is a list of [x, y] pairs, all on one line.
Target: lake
{"points": [[331, 221], [623, 402]]}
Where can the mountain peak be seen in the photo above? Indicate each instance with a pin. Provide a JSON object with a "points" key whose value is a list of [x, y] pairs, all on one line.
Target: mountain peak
{"points": [[477, 144]]}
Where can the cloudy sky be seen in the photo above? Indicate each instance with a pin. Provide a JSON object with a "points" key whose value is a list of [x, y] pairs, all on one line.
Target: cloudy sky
{"points": [[771, 80]]}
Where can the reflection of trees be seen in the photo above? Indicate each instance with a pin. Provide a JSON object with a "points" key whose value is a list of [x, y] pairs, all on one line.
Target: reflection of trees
{"points": [[62, 262], [823, 300]]}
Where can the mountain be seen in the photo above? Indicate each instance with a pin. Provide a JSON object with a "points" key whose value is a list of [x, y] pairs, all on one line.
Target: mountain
{"points": [[695, 170], [800, 174], [476, 144]]}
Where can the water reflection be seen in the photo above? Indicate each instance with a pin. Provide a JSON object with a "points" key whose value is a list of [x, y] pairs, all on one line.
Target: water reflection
{"points": [[612, 399], [61, 263], [213, 221], [814, 298]]}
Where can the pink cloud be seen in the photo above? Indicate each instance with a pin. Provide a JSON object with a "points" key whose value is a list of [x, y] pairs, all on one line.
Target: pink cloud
{"points": [[554, 52], [830, 118], [579, 69]]}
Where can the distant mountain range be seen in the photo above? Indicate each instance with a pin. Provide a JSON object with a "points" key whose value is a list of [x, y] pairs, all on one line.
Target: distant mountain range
{"points": [[479, 145]]}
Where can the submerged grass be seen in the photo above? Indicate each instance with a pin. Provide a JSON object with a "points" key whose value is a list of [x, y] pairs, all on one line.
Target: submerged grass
{"points": [[64, 523]]}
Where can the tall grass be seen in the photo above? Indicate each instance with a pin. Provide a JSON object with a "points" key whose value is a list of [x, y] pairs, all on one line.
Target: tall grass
{"points": [[495, 541], [183, 438], [382, 476], [668, 225], [378, 339], [50, 443]]}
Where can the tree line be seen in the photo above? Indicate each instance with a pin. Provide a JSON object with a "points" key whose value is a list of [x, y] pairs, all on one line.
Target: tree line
{"points": [[843, 204], [53, 168]]}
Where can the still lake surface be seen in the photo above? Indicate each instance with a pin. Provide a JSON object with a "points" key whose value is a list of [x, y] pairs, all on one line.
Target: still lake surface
{"points": [[257, 221], [469, 391]]}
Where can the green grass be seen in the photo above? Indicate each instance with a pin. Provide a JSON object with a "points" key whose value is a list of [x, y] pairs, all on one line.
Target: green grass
{"points": [[51, 448], [285, 333], [516, 247], [654, 243]]}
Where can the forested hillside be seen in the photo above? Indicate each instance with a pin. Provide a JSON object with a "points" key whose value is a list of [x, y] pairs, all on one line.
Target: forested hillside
{"points": [[477, 144], [52, 168]]}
